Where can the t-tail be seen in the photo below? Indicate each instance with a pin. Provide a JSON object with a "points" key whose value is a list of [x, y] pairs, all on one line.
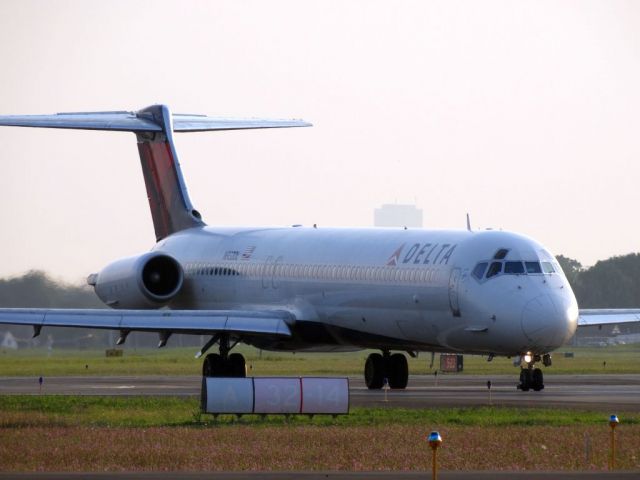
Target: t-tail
{"points": [[171, 208], [169, 201]]}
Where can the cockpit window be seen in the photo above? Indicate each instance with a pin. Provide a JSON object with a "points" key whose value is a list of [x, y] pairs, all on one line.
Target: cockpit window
{"points": [[494, 269], [478, 272], [501, 254], [514, 268], [547, 267], [533, 267]]}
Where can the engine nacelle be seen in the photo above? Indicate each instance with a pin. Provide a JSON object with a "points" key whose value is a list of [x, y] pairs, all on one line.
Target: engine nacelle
{"points": [[146, 281]]}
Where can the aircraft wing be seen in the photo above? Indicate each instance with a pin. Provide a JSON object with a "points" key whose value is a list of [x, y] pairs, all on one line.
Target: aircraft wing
{"points": [[598, 316], [198, 322], [143, 121]]}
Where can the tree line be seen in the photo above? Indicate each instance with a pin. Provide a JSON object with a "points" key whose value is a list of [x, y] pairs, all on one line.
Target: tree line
{"points": [[611, 283]]}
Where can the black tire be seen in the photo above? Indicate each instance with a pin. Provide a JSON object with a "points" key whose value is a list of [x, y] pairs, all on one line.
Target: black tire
{"points": [[537, 380], [213, 366], [398, 371], [236, 366], [374, 371], [525, 380]]}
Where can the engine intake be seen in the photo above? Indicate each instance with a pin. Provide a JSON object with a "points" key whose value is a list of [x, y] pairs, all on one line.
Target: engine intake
{"points": [[147, 281]]}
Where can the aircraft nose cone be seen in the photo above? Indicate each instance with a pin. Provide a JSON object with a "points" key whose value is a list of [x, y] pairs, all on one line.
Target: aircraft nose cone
{"points": [[548, 324]]}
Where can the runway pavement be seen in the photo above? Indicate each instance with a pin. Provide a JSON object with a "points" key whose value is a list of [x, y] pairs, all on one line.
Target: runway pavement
{"points": [[611, 393]]}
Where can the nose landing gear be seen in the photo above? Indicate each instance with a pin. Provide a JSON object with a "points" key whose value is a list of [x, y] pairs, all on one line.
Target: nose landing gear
{"points": [[531, 378]]}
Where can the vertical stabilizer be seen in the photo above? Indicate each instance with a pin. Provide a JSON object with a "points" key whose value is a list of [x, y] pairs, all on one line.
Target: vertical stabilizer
{"points": [[171, 209]]}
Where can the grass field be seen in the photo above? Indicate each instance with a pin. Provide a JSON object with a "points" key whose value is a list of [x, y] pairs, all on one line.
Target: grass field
{"points": [[141, 433], [180, 361], [144, 411], [71, 433]]}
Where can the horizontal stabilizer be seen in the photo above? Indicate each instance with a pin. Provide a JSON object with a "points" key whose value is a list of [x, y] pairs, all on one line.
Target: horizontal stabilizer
{"points": [[142, 121]]}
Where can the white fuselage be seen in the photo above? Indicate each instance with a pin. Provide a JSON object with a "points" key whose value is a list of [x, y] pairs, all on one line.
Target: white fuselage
{"points": [[378, 288]]}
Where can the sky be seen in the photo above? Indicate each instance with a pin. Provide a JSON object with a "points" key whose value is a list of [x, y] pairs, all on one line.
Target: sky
{"points": [[523, 114]]}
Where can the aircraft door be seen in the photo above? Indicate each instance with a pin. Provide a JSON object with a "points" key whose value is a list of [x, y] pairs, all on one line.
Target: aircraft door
{"points": [[277, 265], [267, 270], [454, 279]]}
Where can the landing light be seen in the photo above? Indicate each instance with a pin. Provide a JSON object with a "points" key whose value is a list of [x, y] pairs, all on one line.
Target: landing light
{"points": [[527, 358]]}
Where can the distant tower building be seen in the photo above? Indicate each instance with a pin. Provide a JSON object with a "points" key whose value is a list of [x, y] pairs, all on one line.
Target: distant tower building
{"points": [[394, 215]]}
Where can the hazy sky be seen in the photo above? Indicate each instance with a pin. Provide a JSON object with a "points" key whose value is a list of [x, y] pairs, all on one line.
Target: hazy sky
{"points": [[524, 114]]}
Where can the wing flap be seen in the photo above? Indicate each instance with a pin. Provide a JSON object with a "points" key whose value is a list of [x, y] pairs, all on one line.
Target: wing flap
{"points": [[197, 322], [590, 317]]}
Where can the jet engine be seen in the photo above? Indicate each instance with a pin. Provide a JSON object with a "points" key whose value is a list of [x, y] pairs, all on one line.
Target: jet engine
{"points": [[145, 281]]}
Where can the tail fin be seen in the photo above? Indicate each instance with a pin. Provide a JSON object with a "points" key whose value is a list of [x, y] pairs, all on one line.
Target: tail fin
{"points": [[169, 201], [171, 208]]}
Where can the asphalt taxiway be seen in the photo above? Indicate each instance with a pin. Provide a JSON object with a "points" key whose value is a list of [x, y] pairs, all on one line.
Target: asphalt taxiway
{"points": [[596, 392]]}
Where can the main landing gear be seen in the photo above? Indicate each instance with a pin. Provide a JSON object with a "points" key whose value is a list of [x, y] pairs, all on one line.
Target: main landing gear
{"points": [[392, 367], [531, 377], [223, 364]]}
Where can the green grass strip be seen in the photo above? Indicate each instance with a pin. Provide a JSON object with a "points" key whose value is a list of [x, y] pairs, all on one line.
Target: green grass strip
{"points": [[619, 359], [138, 411]]}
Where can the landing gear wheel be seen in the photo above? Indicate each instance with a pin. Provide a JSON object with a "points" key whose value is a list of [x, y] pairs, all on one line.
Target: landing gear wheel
{"points": [[213, 366], [236, 366], [537, 380], [398, 371], [525, 380], [374, 371]]}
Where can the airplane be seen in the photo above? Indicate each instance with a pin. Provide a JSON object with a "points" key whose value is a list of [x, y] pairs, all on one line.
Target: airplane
{"points": [[296, 288]]}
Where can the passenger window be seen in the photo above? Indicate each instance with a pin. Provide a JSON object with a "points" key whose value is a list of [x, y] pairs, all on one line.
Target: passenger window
{"points": [[478, 272], [494, 269], [547, 267], [514, 268], [533, 267]]}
